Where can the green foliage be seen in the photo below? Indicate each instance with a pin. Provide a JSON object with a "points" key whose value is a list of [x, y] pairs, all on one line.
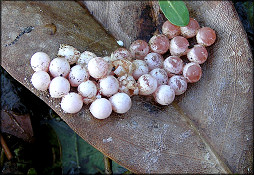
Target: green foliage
{"points": [[175, 11], [249, 5], [31, 171], [78, 157]]}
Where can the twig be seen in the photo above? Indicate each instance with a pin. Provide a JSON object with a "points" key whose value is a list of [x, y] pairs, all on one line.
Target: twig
{"points": [[2, 158], [6, 148], [108, 165]]}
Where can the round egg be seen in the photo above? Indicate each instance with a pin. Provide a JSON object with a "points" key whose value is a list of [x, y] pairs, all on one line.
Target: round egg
{"points": [[59, 67], [72, 103], [59, 87], [77, 75], [40, 61], [41, 80], [121, 102], [101, 108]]}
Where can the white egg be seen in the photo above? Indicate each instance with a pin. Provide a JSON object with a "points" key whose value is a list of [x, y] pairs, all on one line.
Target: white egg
{"points": [[40, 61], [41, 80], [59, 87], [121, 102], [77, 75], [164, 95], [108, 85], [101, 108], [141, 68], [87, 89], [98, 67], [72, 103], [59, 67], [85, 57], [154, 60], [70, 53], [160, 75]]}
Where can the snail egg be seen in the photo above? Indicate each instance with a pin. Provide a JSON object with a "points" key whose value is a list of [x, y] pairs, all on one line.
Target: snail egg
{"points": [[164, 95], [139, 49], [197, 54], [170, 30], [98, 67], [72, 103], [178, 46], [110, 65], [120, 54], [69, 52], [59, 87], [191, 29], [77, 75], [147, 84], [192, 72], [141, 68], [160, 75], [101, 108], [159, 44], [121, 102], [87, 89], [108, 85], [206, 36], [123, 67], [59, 67], [40, 61], [41, 80], [128, 85], [85, 57], [173, 65], [178, 83], [154, 60]]}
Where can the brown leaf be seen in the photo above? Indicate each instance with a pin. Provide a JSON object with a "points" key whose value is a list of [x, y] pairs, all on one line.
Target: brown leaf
{"points": [[206, 130], [17, 125]]}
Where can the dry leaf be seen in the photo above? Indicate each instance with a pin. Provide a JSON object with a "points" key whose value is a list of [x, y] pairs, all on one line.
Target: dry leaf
{"points": [[206, 130], [17, 125]]}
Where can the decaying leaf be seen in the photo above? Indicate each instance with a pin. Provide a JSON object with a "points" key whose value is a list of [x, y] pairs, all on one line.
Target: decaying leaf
{"points": [[207, 130], [17, 125]]}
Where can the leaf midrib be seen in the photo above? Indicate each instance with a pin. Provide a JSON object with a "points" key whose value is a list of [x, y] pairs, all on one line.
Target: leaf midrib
{"points": [[170, 3], [202, 137]]}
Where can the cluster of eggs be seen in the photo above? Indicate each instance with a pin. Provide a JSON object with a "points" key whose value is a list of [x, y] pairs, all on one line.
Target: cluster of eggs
{"points": [[107, 83]]}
